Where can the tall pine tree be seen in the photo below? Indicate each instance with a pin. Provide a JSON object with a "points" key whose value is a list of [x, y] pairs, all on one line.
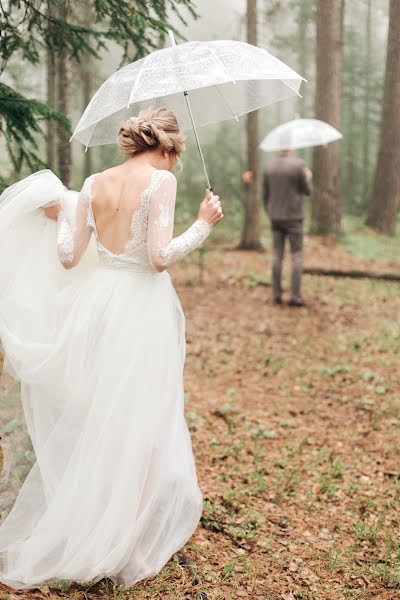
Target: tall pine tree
{"points": [[385, 200], [325, 200]]}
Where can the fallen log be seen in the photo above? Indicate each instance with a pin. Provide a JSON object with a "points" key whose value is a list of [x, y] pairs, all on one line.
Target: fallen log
{"points": [[352, 274]]}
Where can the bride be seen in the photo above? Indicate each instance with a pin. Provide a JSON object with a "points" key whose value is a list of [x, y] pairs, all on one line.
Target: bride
{"points": [[99, 352]]}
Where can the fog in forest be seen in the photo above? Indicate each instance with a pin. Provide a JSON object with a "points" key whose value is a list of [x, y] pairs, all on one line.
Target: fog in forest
{"points": [[279, 31]]}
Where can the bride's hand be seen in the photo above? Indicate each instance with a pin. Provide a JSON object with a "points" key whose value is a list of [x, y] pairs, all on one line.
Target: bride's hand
{"points": [[51, 212], [210, 209]]}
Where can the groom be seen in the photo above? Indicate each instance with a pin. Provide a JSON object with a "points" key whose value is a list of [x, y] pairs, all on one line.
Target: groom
{"points": [[286, 179]]}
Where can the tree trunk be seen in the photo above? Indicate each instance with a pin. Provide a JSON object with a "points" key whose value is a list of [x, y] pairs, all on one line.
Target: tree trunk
{"points": [[350, 171], [302, 52], [86, 68], [63, 145], [325, 201], [367, 91], [51, 101], [250, 239], [384, 202]]}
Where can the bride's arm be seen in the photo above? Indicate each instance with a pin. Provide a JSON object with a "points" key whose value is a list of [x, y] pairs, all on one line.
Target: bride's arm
{"points": [[74, 227], [52, 211], [164, 250]]}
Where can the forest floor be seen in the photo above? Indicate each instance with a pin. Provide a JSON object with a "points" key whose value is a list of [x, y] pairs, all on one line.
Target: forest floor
{"points": [[294, 416]]}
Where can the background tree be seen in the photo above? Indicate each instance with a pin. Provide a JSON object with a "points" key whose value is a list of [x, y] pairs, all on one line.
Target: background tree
{"points": [[51, 98], [367, 96], [362, 92], [250, 239], [291, 27], [86, 77], [325, 201], [351, 120], [385, 199], [63, 70], [304, 18]]}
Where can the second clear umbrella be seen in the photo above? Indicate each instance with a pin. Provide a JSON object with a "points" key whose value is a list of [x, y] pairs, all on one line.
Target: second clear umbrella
{"points": [[300, 133]]}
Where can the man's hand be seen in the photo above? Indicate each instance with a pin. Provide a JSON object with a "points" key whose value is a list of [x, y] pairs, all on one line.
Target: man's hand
{"points": [[308, 174], [247, 177]]}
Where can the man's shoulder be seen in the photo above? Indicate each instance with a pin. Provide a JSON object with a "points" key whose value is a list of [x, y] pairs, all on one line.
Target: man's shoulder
{"points": [[298, 162], [272, 163], [280, 163]]}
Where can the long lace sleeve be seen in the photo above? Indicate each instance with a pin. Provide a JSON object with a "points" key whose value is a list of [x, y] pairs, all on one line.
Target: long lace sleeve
{"points": [[164, 250], [74, 226]]}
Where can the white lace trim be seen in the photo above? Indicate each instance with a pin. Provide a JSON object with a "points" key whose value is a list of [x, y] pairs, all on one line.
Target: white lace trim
{"points": [[65, 238], [180, 246], [88, 194], [140, 218], [166, 204]]}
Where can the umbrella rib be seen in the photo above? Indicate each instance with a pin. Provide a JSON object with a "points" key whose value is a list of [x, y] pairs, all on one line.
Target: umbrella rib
{"points": [[230, 77], [133, 90], [227, 103], [217, 58]]}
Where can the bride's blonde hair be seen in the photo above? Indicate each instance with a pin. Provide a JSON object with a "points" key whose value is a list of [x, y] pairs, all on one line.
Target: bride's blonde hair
{"points": [[153, 128]]}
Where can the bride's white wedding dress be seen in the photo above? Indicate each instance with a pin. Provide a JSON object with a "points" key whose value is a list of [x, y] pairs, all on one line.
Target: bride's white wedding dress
{"points": [[99, 351]]}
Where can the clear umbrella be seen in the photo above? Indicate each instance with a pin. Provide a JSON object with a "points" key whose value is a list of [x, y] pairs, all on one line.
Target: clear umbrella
{"points": [[300, 133], [225, 79]]}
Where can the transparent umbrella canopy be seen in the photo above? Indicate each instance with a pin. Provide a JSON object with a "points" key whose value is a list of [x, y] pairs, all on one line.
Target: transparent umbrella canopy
{"points": [[223, 79], [300, 133]]}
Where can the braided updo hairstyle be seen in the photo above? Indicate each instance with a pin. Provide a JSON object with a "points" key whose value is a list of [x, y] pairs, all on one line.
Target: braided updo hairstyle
{"points": [[153, 128]]}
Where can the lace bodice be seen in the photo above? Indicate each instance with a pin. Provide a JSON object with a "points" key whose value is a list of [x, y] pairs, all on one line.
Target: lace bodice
{"points": [[150, 246]]}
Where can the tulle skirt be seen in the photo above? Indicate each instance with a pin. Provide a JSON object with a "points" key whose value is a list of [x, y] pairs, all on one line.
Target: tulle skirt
{"points": [[100, 355]]}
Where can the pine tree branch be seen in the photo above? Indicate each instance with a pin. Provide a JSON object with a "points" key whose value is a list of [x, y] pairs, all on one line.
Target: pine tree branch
{"points": [[20, 125]]}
